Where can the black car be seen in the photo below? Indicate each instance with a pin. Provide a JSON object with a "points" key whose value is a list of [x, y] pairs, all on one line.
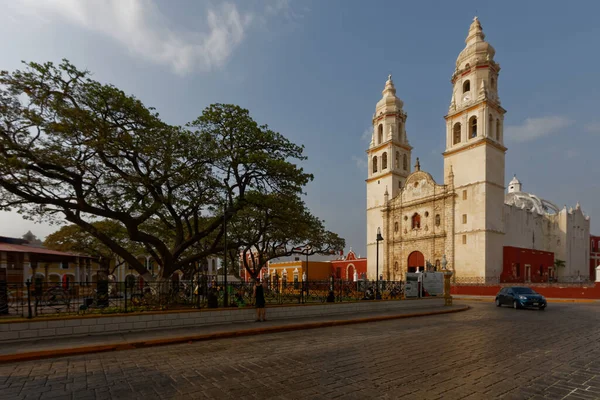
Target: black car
{"points": [[520, 297]]}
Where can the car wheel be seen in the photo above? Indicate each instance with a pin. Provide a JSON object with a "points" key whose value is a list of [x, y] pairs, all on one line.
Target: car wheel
{"points": [[498, 304], [542, 308], [515, 304]]}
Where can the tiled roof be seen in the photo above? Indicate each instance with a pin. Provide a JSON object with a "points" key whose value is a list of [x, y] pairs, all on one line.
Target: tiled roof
{"points": [[18, 248]]}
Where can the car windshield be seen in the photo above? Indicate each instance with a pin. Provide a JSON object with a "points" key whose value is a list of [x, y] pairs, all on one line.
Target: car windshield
{"points": [[523, 290]]}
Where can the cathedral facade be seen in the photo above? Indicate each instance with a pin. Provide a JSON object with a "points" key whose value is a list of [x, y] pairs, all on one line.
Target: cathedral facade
{"points": [[469, 221]]}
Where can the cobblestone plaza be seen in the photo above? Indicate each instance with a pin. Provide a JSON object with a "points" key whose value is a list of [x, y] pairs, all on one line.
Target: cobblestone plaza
{"points": [[483, 353]]}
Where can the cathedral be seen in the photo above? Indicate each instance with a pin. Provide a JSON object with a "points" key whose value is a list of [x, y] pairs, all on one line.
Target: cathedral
{"points": [[471, 223]]}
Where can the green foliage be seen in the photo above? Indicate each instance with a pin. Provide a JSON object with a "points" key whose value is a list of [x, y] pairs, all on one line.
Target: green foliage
{"points": [[278, 225], [73, 148], [72, 238], [559, 263]]}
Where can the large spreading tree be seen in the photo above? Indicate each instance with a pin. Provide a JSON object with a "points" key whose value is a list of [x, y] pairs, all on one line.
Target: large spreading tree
{"points": [[74, 149]]}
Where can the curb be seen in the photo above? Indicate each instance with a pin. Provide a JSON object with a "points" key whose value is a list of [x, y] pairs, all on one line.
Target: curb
{"points": [[38, 355], [488, 300]]}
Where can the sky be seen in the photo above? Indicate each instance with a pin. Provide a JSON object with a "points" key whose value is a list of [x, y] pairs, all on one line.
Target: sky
{"points": [[314, 70]]}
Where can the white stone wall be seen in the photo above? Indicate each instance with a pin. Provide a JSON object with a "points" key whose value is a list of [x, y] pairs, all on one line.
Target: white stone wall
{"points": [[565, 234]]}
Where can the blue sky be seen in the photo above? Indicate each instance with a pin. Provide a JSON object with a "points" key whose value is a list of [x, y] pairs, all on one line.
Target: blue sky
{"points": [[314, 70]]}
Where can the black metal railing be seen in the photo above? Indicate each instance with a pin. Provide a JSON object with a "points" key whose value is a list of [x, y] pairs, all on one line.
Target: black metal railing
{"points": [[36, 299]]}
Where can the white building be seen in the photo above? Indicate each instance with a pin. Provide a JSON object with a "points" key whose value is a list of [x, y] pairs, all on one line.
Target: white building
{"points": [[469, 219]]}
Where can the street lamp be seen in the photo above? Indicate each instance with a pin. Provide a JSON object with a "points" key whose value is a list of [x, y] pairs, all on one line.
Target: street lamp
{"points": [[225, 299], [379, 239], [306, 251]]}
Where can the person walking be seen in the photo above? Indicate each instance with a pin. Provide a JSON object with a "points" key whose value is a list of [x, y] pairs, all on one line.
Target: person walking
{"points": [[259, 301]]}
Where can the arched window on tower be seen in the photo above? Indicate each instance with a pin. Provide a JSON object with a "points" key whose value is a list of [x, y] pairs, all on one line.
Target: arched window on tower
{"points": [[380, 134], [374, 164], [405, 162], [493, 85], [473, 127], [467, 86], [498, 129], [400, 131], [384, 161], [456, 132], [490, 126], [416, 221], [397, 160]]}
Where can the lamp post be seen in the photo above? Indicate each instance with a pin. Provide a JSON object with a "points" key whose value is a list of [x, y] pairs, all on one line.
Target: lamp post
{"points": [[379, 239], [307, 251], [225, 257]]}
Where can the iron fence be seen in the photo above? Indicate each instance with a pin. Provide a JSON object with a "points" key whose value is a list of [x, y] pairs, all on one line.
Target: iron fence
{"points": [[104, 297]]}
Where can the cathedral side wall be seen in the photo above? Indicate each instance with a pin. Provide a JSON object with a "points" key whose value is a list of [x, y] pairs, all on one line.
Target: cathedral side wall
{"points": [[374, 220], [565, 234], [578, 234], [530, 230]]}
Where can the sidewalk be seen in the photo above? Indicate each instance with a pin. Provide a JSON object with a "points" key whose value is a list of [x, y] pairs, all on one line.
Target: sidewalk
{"points": [[48, 348], [492, 298]]}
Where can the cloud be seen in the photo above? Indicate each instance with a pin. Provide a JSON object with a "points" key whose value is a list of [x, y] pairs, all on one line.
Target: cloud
{"points": [[592, 127], [367, 135], [361, 163], [534, 128], [139, 26]]}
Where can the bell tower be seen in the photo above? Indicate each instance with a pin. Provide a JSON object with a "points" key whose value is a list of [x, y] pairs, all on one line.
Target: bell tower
{"points": [[475, 152], [389, 160]]}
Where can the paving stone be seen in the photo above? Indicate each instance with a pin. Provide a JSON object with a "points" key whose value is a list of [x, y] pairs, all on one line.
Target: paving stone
{"points": [[484, 353]]}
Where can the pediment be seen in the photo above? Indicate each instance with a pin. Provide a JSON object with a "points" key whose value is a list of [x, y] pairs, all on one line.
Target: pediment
{"points": [[419, 184]]}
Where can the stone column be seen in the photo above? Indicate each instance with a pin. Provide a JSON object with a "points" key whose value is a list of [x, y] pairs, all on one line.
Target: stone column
{"points": [[447, 295], [77, 270], [26, 267]]}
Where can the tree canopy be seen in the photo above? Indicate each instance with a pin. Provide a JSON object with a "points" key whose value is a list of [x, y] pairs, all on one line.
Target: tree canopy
{"points": [[72, 238], [75, 149], [279, 225]]}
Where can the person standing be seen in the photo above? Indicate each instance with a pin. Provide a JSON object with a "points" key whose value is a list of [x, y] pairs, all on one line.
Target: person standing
{"points": [[259, 301]]}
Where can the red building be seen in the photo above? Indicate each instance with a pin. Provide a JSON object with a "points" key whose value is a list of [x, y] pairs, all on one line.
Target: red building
{"points": [[349, 268], [527, 265], [594, 255]]}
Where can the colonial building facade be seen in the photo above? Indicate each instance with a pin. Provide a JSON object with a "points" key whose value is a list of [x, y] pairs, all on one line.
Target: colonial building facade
{"points": [[467, 221]]}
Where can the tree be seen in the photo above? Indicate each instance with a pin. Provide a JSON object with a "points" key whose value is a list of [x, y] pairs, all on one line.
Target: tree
{"points": [[279, 225], [72, 238], [77, 150], [559, 263]]}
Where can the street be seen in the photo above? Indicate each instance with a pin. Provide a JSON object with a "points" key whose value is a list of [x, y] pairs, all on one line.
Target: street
{"points": [[483, 353]]}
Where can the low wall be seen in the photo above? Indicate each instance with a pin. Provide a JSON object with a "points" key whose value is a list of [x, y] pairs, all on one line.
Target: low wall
{"points": [[550, 291], [102, 324]]}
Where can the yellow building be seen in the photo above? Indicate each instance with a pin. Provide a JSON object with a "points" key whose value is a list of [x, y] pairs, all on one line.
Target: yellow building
{"points": [[296, 271]]}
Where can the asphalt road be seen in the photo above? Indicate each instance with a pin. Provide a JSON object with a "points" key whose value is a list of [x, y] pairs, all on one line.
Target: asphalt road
{"points": [[483, 353]]}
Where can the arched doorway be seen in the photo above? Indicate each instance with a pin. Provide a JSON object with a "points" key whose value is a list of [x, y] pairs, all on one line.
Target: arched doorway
{"points": [[416, 262], [350, 273]]}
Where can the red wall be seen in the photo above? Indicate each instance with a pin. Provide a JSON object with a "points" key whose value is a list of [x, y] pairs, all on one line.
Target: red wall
{"points": [[516, 256], [360, 265], [557, 292]]}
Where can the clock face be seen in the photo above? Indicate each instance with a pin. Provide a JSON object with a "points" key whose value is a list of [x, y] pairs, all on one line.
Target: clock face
{"points": [[466, 97]]}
